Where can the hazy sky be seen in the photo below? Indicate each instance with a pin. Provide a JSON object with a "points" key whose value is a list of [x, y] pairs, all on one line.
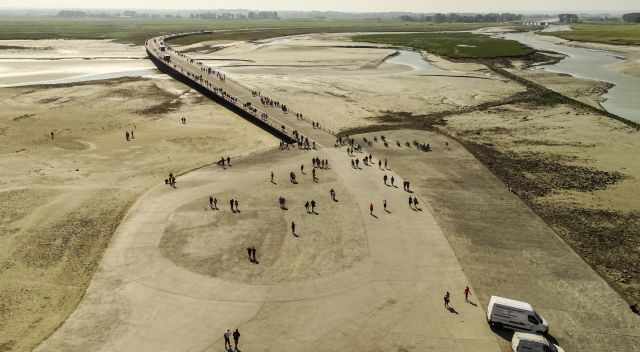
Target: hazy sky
{"points": [[344, 5]]}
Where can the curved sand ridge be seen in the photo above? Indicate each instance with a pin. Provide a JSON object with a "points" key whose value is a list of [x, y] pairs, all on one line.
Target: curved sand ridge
{"points": [[141, 300]]}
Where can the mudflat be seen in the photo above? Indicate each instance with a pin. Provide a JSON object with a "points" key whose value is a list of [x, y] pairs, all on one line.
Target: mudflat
{"points": [[64, 197]]}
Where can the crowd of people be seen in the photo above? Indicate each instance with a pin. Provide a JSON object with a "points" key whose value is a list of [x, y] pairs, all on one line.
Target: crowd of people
{"points": [[302, 142]]}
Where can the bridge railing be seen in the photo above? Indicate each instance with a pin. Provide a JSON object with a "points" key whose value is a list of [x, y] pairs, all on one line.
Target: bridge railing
{"points": [[205, 77]]}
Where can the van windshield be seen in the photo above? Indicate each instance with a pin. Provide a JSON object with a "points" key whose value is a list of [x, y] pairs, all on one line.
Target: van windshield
{"points": [[538, 317]]}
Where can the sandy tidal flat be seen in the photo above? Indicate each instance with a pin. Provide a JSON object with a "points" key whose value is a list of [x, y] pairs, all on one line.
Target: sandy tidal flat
{"points": [[67, 195]]}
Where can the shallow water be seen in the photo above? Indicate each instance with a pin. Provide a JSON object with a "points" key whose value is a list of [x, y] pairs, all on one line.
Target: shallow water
{"points": [[414, 60], [622, 100], [15, 73]]}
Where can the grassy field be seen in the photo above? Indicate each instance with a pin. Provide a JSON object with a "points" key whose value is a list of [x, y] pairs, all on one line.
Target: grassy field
{"points": [[453, 45], [619, 34], [137, 31]]}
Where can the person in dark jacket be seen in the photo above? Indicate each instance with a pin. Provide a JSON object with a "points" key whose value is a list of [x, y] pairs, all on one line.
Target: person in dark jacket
{"points": [[236, 338]]}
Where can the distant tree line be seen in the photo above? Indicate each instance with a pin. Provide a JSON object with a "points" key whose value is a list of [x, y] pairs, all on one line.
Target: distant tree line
{"points": [[99, 14], [633, 17], [258, 15], [251, 15], [467, 18], [71, 14], [568, 18]]}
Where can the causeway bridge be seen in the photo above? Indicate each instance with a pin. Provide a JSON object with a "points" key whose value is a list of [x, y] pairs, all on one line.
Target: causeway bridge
{"points": [[214, 83]]}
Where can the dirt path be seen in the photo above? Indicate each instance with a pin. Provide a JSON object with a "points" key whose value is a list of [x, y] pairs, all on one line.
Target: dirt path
{"points": [[505, 249]]}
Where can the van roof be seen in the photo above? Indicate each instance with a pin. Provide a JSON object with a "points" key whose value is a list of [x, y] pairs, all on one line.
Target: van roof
{"points": [[510, 302], [523, 336]]}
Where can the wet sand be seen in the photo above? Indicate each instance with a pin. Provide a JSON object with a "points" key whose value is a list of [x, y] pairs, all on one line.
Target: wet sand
{"points": [[55, 61]]}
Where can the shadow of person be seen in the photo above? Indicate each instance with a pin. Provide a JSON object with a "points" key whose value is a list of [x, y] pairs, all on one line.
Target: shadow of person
{"points": [[335, 200], [387, 211], [452, 310], [295, 235], [472, 303], [284, 208], [374, 215]]}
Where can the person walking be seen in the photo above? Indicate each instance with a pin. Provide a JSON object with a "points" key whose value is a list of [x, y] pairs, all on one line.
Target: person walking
{"points": [[235, 201], [379, 164], [313, 172], [229, 161], [371, 209], [415, 202], [227, 340], [385, 163], [446, 300], [313, 206], [249, 251], [211, 202], [392, 181], [467, 293], [236, 337], [302, 169], [272, 177], [306, 206], [293, 228], [385, 179], [231, 204], [410, 202], [333, 194], [384, 204], [215, 203]]}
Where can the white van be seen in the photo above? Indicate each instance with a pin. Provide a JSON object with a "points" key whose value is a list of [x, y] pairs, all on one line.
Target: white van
{"points": [[515, 315], [524, 342]]}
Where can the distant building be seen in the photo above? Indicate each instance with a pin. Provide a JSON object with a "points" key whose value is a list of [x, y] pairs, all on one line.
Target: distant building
{"points": [[568, 18]]}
